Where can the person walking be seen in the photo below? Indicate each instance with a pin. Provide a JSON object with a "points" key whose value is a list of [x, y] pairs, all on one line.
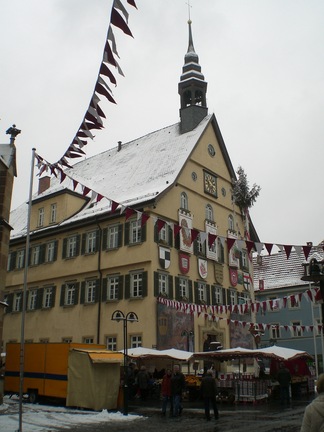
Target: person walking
{"points": [[284, 379], [143, 380], [313, 420], [166, 392], [178, 384], [208, 391]]}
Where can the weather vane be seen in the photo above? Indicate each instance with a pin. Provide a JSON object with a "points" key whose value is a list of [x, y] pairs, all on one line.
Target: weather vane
{"points": [[189, 6]]}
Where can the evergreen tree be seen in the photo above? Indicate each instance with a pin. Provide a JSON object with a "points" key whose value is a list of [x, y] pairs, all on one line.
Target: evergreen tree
{"points": [[243, 196]]}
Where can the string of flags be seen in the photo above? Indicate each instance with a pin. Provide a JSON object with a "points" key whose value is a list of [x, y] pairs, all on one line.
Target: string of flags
{"points": [[212, 312], [94, 116]]}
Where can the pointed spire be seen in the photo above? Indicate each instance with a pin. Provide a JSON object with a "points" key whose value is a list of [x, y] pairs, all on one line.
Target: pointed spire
{"points": [[192, 89]]}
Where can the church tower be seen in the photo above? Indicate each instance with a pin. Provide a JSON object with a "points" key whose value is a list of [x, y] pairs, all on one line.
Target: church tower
{"points": [[192, 90]]}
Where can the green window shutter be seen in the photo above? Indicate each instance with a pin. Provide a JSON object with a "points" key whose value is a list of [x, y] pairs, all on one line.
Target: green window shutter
{"points": [[76, 294], [53, 296], [10, 303], [83, 244], [64, 248], [29, 256], [55, 250], [97, 290], [228, 295], [196, 292], [156, 234], [170, 281], [39, 299], [126, 233], [13, 258], [120, 287], [77, 245], [104, 239], [240, 259], [120, 235], [97, 240], [208, 294], [195, 248], [144, 288], [170, 237], [82, 295], [156, 284], [62, 296], [104, 289], [127, 286], [177, 241], [42, 253], [143, 233], [177, 288], [190, 291], [223, 296]]}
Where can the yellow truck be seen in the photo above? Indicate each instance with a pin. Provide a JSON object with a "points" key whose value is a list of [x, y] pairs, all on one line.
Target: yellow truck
{"points": [[84, 375]]}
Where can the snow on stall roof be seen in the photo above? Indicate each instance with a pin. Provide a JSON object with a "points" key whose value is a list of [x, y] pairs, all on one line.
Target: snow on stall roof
{"points": [[141, 170]]}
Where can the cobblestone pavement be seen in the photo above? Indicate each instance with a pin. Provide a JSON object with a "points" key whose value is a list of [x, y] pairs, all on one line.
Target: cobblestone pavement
{"points": [[270, 417]]}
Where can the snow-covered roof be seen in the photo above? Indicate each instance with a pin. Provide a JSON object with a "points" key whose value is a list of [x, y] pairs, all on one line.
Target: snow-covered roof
{"points": [[279, 272], [140, 171]]}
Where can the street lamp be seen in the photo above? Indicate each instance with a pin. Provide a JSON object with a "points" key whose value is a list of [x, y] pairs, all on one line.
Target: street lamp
{"points": [[118, 316]]}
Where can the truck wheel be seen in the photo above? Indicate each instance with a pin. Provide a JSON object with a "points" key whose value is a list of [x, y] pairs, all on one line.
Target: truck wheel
{"points": [[33, 396]]}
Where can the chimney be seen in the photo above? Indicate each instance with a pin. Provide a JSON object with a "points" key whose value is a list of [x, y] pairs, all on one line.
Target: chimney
{"points": [[119, 146], [43, 184]]}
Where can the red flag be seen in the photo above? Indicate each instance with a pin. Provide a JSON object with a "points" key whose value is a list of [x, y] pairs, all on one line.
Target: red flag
{"points": [[144, 219], [110, 56], [86, 190], [287, 250], [129, 212], [249, 245], [117, 20], [63, 176], [307, 250], [132, 3], [75, 184], [268, 247], [99, 197], [230, 242], [160, 224], [114, 206], [211, 239], [101, 89], [177, 229], [194, 234]]}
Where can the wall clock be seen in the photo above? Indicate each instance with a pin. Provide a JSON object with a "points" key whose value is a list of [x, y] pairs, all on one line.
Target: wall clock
{"points": [[210, 184]]}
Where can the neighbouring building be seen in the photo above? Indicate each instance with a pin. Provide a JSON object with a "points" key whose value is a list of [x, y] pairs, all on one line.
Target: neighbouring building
{"points": [[7, 173], [290, 310], [158, 246]]}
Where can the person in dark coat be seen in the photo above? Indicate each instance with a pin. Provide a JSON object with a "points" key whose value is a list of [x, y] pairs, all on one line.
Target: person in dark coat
{"points": [[166, 392], [143, 379], [208, 391], [178, 384], [284, 379]]}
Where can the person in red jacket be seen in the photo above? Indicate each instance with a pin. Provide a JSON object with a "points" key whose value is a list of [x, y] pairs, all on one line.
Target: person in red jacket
{"points": [[166, 391]]}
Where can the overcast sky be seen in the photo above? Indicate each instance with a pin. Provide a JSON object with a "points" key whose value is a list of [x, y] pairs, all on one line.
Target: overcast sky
{"points": [[263, 61]]}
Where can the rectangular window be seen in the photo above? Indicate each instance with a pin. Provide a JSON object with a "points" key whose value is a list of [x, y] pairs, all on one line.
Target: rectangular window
{"points": [[293, 302], [71, 247], [218, 295], [163, 283], [135, 231], [17, 302], [112, 287], [245, 260], [88, 340], [91, 239], [34, 256], [164, 234], [32, 299], [20, 259], [53, 213], [184, 288], [69, 294], [201, 290], [275, 331], [136, 341], [275, 303], [296, 329], [112, 237], [233, 297], [41, 215], [201, 246], [136, 287], [50, 252], [67, 340], [48, 297], [90, 291], [111, 343]]}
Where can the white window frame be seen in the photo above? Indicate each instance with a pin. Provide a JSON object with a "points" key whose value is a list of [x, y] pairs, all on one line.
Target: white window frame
{"points": [[112, 237], [91, 241], [71, 246], [136, 341], [209, 213], [41, 217], [88, 340], [184, 288], [47, 297], [295, 306], [50, 251], [69, 295], [164, 234], [184, 204], [245, 259], [275, 331], [202, 291], [218, 294], [53, 213], [17, 302], [298, 332], [20, 258], [135, 231], [163, 279], [136, 285], [112, 287], [233, 297], [35, 255], [90, 291], [32, 299], [275, 304], [231, 222], [111, 343], [201, 246]]}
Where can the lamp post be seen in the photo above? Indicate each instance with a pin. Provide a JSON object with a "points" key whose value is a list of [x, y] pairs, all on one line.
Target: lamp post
{"points": [[118, 316]]}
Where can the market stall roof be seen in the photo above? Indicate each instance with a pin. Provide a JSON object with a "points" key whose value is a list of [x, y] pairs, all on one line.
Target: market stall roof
{"points": [[145, 353], [102, 356], [275, 352]]}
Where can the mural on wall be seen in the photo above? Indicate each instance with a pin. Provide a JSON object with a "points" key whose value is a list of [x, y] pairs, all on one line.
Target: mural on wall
{"points": [[240, 336], [175, 329]]}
